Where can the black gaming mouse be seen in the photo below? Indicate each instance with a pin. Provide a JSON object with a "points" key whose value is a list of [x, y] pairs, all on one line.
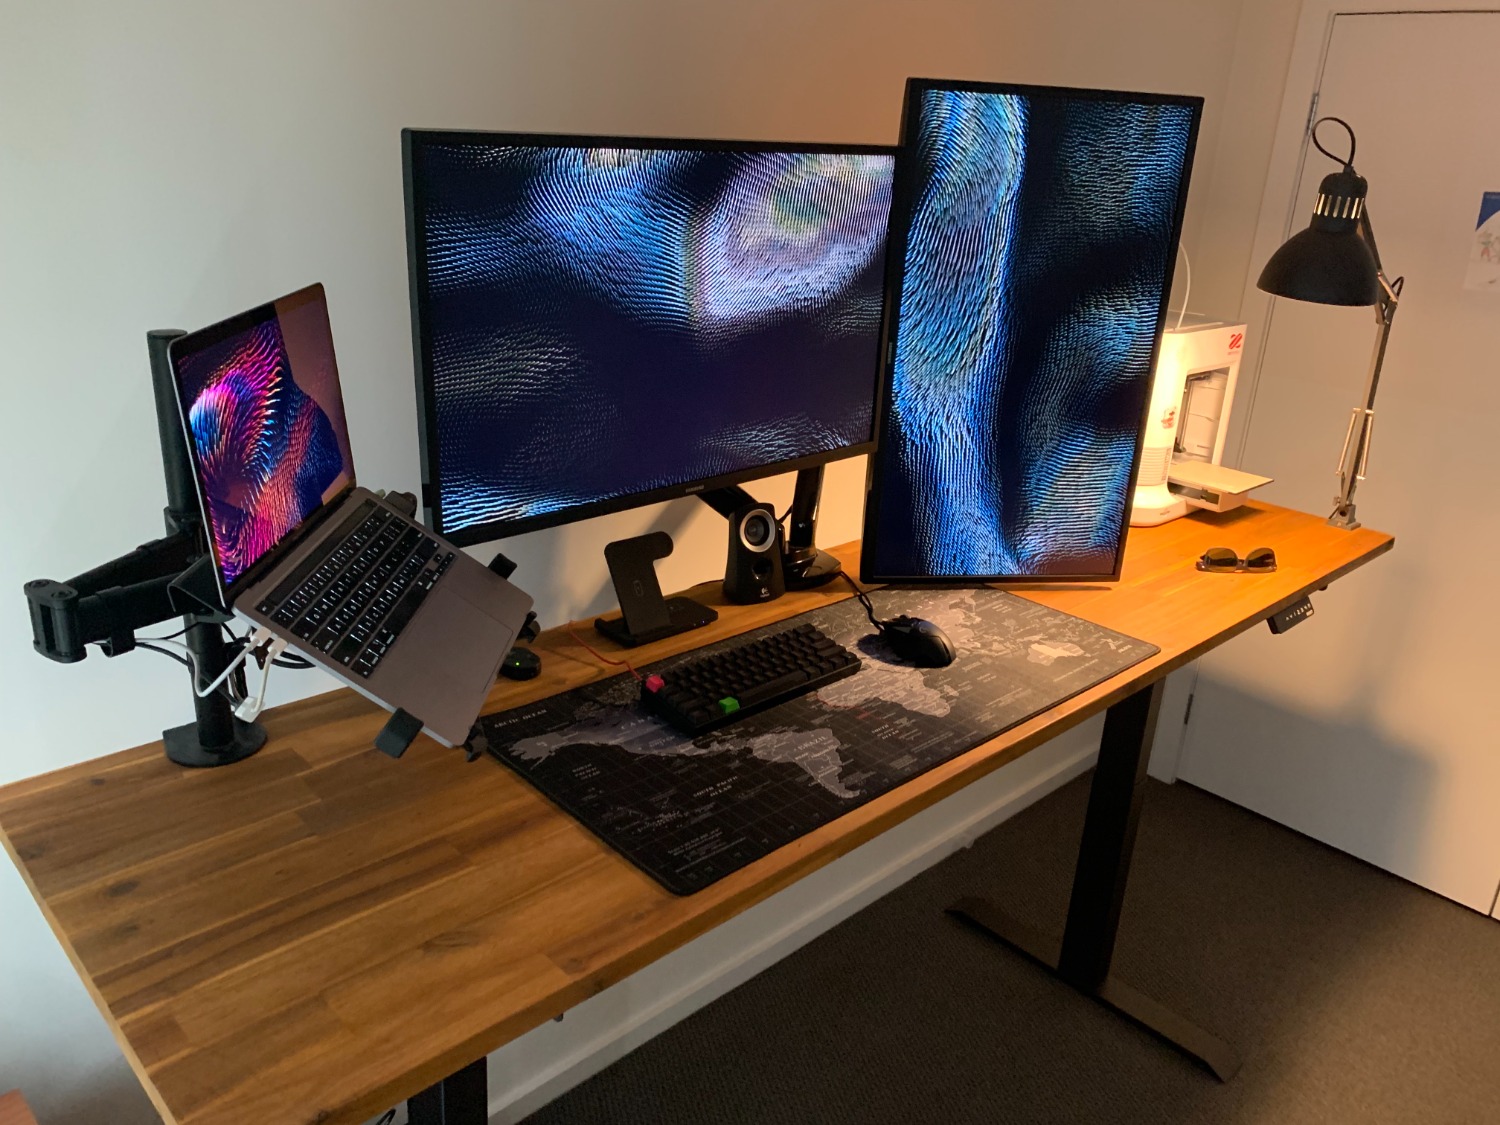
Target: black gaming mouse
{"points": [[921, 642]]}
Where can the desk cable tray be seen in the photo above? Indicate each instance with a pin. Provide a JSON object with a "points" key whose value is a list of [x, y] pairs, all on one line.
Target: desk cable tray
{"points": [[690, 811]]}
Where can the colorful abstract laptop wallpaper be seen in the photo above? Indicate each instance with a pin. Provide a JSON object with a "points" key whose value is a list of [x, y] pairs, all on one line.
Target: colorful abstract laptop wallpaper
{"points": [[265, 419], [1034, 235], [602, 318]]}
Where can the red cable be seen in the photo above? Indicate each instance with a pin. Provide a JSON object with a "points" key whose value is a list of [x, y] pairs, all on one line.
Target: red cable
{"points": [[599, 656]]}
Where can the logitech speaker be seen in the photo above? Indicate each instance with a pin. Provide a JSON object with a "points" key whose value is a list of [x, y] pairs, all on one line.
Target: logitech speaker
{"points": [[753, 572]]}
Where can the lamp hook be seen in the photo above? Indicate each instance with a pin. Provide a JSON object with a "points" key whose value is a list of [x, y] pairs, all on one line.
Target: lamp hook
{"points": [[1347, 163]]}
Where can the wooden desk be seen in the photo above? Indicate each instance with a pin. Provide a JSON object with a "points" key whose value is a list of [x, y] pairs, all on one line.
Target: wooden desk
{"points": [[13, 1110], [319, 932]]}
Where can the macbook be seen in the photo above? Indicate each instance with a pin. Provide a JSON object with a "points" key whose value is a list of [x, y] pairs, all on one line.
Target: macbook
{"points": [[352, 582]]}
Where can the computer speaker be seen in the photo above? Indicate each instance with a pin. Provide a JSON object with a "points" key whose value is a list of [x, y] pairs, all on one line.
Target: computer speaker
{"points": [[753, 572]]}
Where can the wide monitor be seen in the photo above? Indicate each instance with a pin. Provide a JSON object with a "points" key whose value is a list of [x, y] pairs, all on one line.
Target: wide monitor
{"points": [[601, 323], [1033, 239]]}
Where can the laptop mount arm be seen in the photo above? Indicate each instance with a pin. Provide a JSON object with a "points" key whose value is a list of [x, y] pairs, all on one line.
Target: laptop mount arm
{"points": [[160, 580]]}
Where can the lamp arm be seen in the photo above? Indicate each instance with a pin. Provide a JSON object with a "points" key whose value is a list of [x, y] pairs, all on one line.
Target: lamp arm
{"points": [[1354, 458]]}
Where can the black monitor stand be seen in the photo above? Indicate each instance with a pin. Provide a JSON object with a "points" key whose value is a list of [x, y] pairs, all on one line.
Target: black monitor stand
{"points": [[803, 565]]}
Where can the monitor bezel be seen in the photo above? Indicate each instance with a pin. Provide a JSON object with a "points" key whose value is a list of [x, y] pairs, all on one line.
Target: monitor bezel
{"points": [[411, 140], [901, 197]]}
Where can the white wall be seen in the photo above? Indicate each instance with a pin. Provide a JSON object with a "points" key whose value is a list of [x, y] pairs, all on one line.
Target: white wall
{"points": [[163, 165]]}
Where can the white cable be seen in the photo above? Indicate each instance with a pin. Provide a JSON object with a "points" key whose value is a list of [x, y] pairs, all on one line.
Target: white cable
{"points": [[168, 642], [249, 709], [1187, 283], [260, 637]]}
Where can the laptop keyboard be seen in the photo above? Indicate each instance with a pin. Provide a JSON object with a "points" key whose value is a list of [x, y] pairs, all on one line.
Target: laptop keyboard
{"points": [[354, 594]]}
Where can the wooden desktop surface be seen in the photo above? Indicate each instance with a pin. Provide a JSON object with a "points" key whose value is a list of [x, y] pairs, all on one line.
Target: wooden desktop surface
{"points": [[317, 933], [13, 1110]]}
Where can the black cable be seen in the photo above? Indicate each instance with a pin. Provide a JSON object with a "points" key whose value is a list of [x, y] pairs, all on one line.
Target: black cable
{"points": [[222, 689], [390, 1115], [168, 653], [1349, 163], [863, 600]]}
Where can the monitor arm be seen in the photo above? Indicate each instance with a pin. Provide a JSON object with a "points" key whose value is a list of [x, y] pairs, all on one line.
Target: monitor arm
{"points": [[107, 604], [154, 583], [803, 564]]}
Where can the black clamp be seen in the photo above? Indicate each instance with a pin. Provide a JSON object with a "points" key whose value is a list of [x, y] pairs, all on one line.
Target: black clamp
{"points": [[403, 502], [502, 565], [530, 630], [476, 745], [400, 730], [519, 663]]}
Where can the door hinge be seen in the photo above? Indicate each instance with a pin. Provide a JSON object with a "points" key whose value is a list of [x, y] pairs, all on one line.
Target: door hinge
{"points": [[1312, 112]]}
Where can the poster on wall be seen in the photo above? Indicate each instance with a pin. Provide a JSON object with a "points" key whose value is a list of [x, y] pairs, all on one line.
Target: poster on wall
{"points": [[1484, 251]]}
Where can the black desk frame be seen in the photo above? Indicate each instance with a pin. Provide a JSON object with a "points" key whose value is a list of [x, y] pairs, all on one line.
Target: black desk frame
{"points": [[463, 1098], [1081, 958]]}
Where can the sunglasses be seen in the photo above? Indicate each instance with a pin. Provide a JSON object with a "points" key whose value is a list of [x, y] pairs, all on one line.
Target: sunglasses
{"points": [[1221, 560]]}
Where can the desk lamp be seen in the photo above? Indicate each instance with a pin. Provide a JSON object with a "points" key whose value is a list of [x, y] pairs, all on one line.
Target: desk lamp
{"points": [[1334, 262]]}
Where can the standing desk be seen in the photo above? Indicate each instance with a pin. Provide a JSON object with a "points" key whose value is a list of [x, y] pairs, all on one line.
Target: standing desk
{"points": [[319, 932]]}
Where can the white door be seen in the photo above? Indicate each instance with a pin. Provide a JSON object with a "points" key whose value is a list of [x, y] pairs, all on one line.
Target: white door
{"points": [[1375, 726]]}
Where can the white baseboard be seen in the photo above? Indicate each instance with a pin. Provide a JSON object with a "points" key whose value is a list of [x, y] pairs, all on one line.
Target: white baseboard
{"points": [[550, 1060]]}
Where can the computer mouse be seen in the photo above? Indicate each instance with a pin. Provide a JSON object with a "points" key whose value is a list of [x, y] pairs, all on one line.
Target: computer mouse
{"points": [[919, 641]]}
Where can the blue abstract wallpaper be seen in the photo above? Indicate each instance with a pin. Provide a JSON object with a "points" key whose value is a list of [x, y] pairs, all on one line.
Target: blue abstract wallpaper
{"points": [[1040, 228], [604, 322]]}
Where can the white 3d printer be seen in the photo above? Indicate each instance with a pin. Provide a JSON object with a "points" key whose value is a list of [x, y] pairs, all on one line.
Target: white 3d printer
{"points": [[1191, 394]]}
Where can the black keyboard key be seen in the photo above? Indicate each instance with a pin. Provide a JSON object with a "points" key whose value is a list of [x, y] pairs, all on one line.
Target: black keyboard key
{"points": [[347, 650]]}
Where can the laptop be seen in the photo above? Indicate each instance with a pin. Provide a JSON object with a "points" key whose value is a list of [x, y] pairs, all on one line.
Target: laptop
{"points": [[350, 581]]}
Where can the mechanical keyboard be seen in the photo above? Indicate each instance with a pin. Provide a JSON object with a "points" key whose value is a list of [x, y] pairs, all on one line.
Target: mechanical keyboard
{"points": [[354, 594], [720, 688]]}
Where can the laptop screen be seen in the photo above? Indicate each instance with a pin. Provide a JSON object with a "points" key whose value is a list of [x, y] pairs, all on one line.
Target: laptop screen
{"points": [[265, 425]]}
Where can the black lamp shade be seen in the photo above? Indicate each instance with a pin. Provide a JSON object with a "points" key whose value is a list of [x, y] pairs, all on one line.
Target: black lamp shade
{"points": [[1329, 263]]}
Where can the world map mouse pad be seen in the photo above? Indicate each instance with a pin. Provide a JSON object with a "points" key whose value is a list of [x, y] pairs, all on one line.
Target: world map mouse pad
{"points": [[689, 811]]}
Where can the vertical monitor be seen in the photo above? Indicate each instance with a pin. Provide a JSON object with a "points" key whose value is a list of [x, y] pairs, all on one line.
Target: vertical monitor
{"points": [[601, 323], [1034, 234]]}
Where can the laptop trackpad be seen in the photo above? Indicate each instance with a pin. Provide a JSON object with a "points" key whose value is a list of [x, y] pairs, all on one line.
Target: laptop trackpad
{"points": [[453, 650]]}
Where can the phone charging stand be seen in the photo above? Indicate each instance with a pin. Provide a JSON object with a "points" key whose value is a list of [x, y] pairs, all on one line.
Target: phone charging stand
{"points": [[645, 615]]}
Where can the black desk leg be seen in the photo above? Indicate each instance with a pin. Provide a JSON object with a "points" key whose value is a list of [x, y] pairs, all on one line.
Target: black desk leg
{"points": [[1082, 957], [463, 1098]]}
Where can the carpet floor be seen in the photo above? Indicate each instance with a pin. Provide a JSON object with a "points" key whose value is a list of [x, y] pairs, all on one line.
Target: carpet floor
{"points": [[1352, 995]]}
